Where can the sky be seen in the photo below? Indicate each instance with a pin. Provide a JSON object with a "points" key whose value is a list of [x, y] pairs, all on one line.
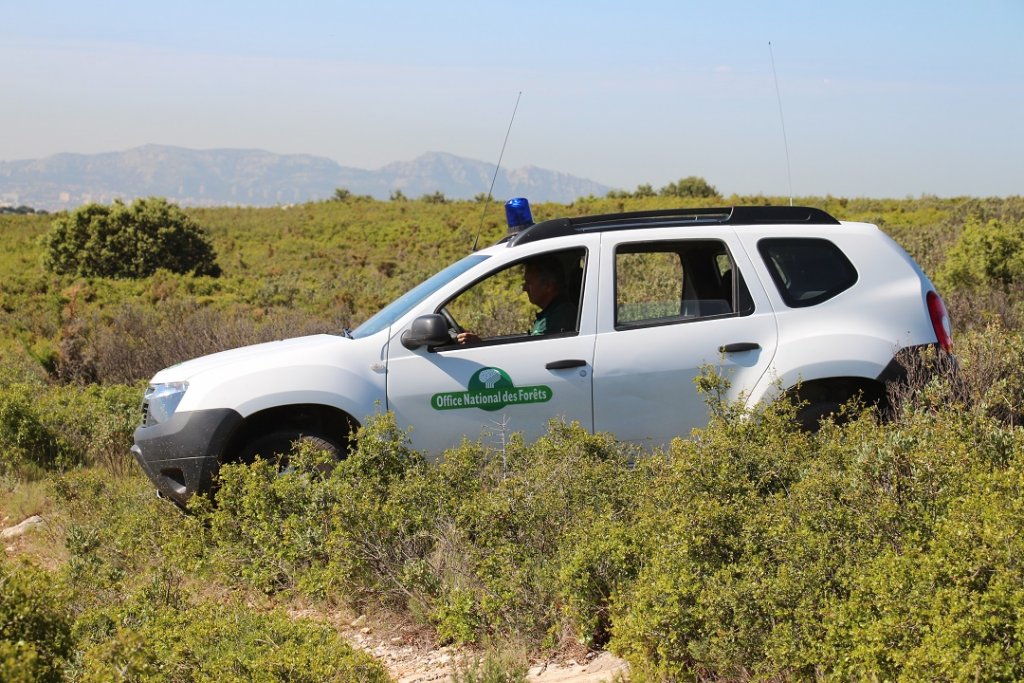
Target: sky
{"points": [[865, 98]]}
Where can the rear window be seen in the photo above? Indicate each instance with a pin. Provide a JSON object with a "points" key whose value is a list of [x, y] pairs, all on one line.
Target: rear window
{"points": [[668, 282], [807, 271]]}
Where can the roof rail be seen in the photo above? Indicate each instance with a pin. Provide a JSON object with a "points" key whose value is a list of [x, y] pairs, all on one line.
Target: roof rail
{"points": [[736, 215]]}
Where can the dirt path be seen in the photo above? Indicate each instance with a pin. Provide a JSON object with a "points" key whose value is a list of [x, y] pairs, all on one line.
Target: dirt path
{"points": [[410, 659]]}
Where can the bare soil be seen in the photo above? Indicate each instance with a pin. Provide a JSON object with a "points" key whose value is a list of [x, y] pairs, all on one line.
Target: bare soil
{"points": [[410, 657]]}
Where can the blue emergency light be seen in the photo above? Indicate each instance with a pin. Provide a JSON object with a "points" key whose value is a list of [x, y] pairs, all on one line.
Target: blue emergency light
{"points": [[518, 215]]}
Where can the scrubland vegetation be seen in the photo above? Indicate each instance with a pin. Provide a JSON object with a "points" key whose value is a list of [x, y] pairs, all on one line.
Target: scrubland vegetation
{"points": [[752, 550]]}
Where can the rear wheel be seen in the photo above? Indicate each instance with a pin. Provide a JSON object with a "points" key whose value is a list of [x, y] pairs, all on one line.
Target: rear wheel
{"points": [[810, 416]]}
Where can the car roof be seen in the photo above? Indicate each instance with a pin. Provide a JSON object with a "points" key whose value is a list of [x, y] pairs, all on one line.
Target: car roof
{"points": [[672, 218]]}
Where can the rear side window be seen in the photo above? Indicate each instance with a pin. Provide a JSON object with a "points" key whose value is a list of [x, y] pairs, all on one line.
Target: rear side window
{"points": [[807, 271], [662, 283]]}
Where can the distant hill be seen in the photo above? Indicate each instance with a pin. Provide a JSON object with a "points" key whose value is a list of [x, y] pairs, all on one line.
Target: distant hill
{"points": [[249, 177]]}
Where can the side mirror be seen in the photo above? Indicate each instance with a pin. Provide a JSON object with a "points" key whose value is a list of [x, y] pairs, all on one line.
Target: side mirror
{"points": [[427, 330]]}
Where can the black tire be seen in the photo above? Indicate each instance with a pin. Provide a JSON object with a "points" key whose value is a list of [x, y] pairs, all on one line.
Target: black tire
{"points": [[809, 417], [278, 445]]}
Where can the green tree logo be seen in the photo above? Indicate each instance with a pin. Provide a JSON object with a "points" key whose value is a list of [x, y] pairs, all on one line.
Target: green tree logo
{"points": [[490, 378]]}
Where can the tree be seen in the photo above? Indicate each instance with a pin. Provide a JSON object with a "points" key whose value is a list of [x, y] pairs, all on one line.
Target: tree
{"points": [[691, 186], [644, 190], [398, 196], [122, 241], [341, 194], [435, 198]]}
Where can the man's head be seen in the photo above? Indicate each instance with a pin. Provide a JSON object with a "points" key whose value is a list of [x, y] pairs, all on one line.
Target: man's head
{"points": [[542, 281]]}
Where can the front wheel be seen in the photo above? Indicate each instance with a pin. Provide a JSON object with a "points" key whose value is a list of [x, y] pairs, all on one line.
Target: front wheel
{"points": [[278, 446]]}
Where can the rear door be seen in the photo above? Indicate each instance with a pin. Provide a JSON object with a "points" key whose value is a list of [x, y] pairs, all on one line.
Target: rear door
{"points": [[670, 306]]}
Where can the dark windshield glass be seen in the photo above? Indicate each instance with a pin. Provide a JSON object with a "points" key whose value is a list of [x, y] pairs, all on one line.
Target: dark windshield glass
{"points": [[403, 304]]}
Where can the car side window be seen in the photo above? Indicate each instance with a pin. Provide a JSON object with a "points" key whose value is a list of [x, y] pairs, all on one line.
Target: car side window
{"points": [[807, 271], [673, 282], [502, 307]]}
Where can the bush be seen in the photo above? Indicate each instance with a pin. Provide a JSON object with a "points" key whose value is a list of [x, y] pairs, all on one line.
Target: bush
{"points": [[471, 543], [986, 256], [510, 538], [44, 427], [217, 642], [27, 442], [947, 606], [133, 241], [864, 551], [130, 601], [35, 631], [270, 528], [317, 526]]}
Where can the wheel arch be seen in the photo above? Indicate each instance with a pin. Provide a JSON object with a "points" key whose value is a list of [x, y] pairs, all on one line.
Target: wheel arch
{"points": [[816, 399], [313, 418]]}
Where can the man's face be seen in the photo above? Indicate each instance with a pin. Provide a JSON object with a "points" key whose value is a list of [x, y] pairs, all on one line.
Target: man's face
{"points": [[539, 290]]}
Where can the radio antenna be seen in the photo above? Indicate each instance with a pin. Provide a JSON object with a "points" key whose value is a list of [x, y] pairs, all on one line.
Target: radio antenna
{"points": [[785, 142], [487, 201]]}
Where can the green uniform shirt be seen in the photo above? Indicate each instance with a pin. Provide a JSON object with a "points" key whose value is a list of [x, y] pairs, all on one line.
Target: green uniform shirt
{"points": [[559, 316]]}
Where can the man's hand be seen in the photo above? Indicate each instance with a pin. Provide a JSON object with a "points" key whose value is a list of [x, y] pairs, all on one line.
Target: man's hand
{"points": [[467, 338]]}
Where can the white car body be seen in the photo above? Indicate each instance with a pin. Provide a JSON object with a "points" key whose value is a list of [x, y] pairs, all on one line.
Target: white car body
{"points": [[636, 382]]}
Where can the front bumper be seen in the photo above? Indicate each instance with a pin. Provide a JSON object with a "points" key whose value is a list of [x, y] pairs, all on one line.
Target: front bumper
{"points": [[181, 456]]}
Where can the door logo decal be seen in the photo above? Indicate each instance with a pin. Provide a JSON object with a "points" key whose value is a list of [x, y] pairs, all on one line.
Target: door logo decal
{"points": [[490, 389]]}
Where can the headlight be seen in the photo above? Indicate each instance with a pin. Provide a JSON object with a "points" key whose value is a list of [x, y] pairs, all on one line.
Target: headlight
{"points": [[161, 400]]}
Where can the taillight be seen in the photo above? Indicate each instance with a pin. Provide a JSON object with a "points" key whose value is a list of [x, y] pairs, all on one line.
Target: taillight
{"points": [[940, 321]]}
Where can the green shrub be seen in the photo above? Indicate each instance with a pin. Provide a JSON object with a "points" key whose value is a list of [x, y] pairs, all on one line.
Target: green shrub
{"points": [[117, 536], [319, 526], [132, 601], [986, 255], [497, 665], [45, 427], [947, 606], [26, 440], [133, 241], [772, 554], [511, 537], [693, 610], [97, 422], [689, 187], [600, 560], [270, 528], [35, 632], [218, 642], [472, 542]]}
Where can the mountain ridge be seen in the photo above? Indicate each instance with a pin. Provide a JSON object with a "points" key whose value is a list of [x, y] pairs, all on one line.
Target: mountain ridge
{"points": [[257, 177]]}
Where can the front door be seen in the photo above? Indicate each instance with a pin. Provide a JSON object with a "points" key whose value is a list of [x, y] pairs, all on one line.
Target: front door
{"points": [[504, 380]]}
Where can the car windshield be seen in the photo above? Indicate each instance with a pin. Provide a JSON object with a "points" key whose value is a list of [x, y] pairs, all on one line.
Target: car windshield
{"points": [[403, 304]]}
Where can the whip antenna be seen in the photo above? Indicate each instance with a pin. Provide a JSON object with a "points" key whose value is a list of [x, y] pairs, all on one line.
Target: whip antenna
{"points": [[785, 142], [497, 166]]}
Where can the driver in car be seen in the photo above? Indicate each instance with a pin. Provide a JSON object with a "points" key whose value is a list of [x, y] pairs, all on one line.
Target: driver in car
{"points": [[544, 286]]}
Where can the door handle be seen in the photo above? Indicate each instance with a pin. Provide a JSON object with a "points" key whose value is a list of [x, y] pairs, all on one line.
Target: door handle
{"points": [[737, 347], [564, 364]]}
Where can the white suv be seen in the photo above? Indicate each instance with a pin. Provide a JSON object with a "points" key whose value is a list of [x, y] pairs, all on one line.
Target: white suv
{"points": [[778, 298]]}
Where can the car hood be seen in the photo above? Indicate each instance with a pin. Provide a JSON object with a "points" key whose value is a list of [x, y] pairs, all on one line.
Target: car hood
{"points": [[297, 350]]}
